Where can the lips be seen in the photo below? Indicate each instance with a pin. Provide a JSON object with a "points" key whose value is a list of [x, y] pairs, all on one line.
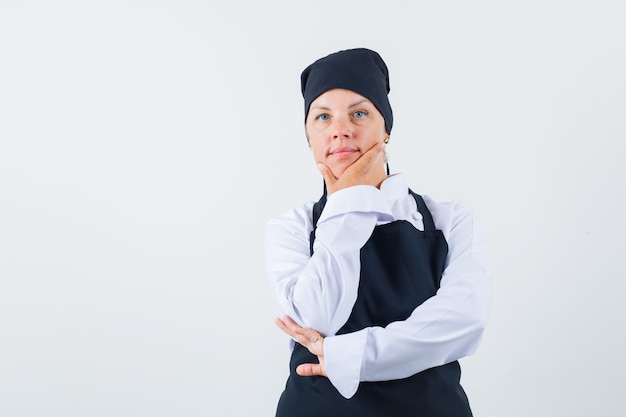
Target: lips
{"points": [[343, 152]]}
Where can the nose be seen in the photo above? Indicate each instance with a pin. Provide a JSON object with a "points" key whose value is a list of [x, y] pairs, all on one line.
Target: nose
{"points": [[341, 128]]}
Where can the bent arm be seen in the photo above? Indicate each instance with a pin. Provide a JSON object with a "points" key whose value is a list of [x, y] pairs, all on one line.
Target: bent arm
{"points": [[446, 327], [319, 291]]}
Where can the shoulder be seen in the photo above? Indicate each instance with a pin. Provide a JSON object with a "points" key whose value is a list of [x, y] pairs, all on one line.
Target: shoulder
{"points": [[463, 234], [448, 215]]}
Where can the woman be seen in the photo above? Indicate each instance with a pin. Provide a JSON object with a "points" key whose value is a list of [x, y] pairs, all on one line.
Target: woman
{"points": [[381, 290]]}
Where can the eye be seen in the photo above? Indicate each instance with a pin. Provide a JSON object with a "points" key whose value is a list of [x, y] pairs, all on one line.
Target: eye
{"points": [[323, 117], [359, 114]]}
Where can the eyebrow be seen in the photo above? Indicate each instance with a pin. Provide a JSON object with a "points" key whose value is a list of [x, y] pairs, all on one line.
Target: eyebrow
{"points": [[359, 102], [350, 106]]}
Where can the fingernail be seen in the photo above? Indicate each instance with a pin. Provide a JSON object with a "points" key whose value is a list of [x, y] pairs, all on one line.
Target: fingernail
{"points": [[320, 167]]}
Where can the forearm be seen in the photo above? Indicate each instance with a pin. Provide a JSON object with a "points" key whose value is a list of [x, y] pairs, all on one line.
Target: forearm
{"points": [[444, 328], [319, 291], [316, 291]]}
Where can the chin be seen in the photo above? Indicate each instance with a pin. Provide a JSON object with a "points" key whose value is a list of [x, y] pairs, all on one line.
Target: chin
{"points": [[338, 171], [339, 168]]}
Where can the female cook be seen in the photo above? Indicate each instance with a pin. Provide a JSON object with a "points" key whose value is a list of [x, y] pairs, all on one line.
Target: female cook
{"points": [[381, 290]]}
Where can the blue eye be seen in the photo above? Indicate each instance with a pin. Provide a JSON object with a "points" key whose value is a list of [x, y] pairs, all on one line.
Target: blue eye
{"points": [[360, 114], [322, 117]]}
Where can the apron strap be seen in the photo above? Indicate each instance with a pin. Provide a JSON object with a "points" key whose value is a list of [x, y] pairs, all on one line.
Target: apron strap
{"points": [[427, 218], [317, 212]]}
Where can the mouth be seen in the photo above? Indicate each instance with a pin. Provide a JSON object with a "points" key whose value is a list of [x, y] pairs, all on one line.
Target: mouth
{"points": [[342, 153]]}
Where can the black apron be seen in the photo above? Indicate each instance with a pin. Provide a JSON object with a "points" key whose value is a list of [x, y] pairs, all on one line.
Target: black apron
{"points": [[401, 267]]}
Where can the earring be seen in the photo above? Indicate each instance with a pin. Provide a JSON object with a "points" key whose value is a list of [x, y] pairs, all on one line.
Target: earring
{"points": [[387, 139]]}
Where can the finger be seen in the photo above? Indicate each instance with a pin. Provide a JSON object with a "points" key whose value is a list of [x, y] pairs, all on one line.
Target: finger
{"points": [[369, 159], [297, 332], [327, 174], [283, 326], [287, 325], [310, 369], [366, 162], [290, 322], [308, 336]]}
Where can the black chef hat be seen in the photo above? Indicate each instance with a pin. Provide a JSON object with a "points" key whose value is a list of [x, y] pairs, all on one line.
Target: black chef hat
{"points": [[360, 70]]}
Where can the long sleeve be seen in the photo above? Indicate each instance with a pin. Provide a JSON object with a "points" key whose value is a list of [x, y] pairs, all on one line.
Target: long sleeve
{"points": [[319, 291], [446, 327]]}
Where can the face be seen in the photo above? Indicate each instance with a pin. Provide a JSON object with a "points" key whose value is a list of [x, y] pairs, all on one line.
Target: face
{"points": [[341, 126]]}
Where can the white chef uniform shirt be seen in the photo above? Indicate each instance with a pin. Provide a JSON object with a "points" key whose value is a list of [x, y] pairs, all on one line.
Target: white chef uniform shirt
{"points": [[319, 291]]}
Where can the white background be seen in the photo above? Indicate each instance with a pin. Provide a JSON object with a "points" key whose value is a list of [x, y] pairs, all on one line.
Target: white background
{"points": [[144, 144]]}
